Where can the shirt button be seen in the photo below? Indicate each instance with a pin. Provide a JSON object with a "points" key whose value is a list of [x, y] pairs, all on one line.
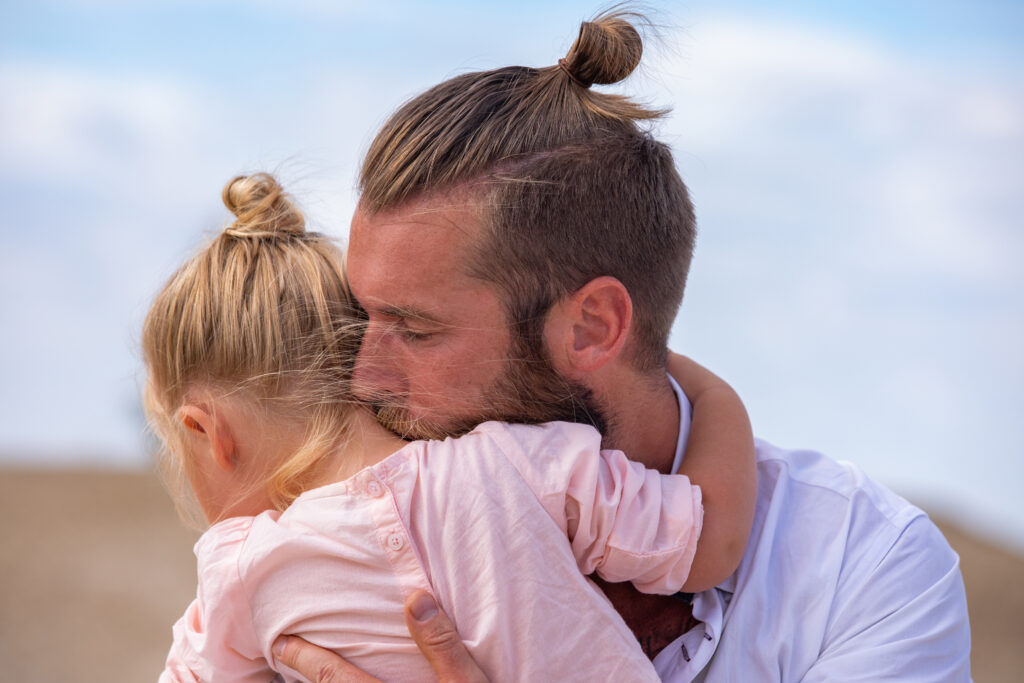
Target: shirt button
{"points": [[374, 489], [395, 542]]}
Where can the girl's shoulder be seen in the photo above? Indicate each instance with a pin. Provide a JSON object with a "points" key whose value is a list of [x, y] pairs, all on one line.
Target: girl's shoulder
{"points": [[229, 528], [217, 556], [542, 442], [544, 455], [223, 542]]}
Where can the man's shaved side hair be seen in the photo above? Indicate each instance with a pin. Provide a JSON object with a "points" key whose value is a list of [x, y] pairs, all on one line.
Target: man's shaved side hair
{"points": [[569, 185]]}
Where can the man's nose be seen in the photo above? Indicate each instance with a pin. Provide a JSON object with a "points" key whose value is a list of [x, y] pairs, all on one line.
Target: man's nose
{"points": [[376, 373]]}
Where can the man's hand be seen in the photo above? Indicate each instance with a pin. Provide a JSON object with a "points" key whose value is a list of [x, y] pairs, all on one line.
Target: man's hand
{"points": [[439, 642], [430, 628], [317, 664]]}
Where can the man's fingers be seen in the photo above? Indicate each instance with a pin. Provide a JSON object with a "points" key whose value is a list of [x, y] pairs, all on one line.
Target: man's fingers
{"points": [[430, 628], [316, 663], [439, 642]]}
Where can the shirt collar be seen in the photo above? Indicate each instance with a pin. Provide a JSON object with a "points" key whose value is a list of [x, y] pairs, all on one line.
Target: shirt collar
{"points": [[685, 417]]}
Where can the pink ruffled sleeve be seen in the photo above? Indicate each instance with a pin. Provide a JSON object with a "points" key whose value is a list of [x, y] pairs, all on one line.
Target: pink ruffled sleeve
{"points": [[625, 522], [215, 639]]}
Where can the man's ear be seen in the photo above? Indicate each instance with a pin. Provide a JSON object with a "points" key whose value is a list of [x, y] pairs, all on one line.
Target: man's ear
{"points": [[211, 428], [589, 328]]}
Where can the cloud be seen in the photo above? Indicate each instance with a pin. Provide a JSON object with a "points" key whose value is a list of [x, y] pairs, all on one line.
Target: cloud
{"points": [[62, 123], [109, 180], [858, 269], [909, 157], [856, 274]]}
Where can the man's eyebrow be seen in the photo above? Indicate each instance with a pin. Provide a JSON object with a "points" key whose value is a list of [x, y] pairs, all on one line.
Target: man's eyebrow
{"points": [[407, 313]]}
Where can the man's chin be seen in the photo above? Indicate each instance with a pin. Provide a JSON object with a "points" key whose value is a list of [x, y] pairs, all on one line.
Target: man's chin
{"points": [[398, 420], [530, 391]]}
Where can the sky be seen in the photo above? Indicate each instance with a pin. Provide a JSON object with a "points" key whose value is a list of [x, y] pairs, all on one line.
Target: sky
{"points": [[856, 167]]}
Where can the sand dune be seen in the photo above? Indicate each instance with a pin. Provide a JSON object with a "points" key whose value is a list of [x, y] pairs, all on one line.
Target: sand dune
{"points": [[95, 568]]}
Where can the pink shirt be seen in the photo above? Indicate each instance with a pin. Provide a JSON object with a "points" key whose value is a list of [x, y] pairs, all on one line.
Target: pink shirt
{"points": [[502, 525]]}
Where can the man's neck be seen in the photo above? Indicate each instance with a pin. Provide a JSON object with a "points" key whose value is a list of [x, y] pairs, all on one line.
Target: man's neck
{"points": [[644, 421]]}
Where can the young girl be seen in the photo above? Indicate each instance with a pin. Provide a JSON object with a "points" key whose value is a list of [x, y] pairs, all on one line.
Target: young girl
{"points": [[323, 522]]}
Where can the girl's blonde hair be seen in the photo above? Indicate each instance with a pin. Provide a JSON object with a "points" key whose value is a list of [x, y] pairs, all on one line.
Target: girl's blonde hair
{"points": [[264, 313]]}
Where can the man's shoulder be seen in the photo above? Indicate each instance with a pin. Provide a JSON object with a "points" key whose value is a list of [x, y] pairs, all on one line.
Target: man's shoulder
{"points": [[860, 566], [829, 521], [797, 477]]}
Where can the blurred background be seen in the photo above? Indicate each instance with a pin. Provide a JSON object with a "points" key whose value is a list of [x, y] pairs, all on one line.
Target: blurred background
{"points": [[857, 170]]}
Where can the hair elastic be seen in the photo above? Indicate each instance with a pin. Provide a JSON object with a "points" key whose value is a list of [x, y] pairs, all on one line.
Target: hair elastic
{"points": [[565, 67], [244, 234]]}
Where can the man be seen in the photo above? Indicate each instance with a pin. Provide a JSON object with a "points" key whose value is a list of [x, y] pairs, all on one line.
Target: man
{"points": [[521, 249]]}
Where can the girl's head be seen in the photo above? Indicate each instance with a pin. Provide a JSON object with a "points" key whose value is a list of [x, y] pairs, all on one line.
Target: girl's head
{"points": [[249, 349]]}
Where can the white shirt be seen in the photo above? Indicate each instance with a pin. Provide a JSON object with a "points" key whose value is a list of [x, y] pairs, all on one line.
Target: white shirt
{"points": [[842, 580]]}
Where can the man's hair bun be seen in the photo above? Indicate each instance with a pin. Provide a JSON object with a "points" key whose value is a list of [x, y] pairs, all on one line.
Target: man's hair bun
{"points": [[606, 50], [261, 208]]}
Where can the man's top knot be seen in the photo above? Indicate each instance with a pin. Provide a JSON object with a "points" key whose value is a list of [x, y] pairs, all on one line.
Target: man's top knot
{"points": [[262, 209], [565, 67], [474, 123], [606, 51]]}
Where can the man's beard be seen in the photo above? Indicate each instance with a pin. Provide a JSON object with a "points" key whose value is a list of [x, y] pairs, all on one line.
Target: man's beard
{"points": [[529, 391]]}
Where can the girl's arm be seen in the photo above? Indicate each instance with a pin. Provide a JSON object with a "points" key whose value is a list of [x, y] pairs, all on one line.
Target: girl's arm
{"points": [[215, 639], [720, 459]]}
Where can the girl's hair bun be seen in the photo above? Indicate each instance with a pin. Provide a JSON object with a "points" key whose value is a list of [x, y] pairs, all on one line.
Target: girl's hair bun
{"points": [[261, 208], [606, 50]]}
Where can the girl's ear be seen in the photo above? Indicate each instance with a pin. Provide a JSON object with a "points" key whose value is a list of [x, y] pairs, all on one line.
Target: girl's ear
{"points": [[212, 430]]}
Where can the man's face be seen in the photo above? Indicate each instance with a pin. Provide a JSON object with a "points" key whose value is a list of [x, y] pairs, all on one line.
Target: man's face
{"points": [[436, 339], [438, 356]]}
